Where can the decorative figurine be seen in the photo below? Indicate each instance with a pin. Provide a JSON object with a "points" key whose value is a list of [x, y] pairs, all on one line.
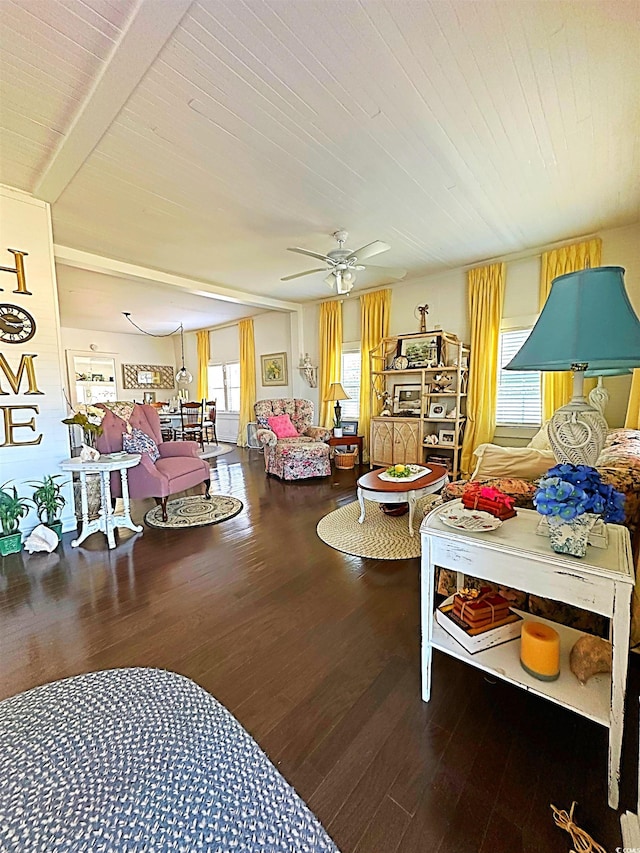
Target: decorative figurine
{"points": [[386, 398], [442, 382], [422, 311]]}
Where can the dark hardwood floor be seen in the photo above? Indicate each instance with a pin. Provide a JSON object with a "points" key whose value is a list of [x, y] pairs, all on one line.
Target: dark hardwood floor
{"points": [[317, 654]]}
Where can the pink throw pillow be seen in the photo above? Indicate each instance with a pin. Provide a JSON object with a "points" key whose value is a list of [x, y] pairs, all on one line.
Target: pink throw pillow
{"points": [[282, 426]]}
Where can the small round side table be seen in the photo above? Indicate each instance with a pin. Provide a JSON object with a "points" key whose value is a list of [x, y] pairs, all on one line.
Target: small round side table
{"points": [[372, 488], [106, 521]]}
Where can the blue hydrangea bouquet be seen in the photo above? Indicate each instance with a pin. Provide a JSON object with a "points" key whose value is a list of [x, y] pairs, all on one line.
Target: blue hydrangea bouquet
{"points": [[571, 490], [573, 497]]}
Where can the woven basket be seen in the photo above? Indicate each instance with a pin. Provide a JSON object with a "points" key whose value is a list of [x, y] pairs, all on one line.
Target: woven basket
{"points": [[345, 460]]}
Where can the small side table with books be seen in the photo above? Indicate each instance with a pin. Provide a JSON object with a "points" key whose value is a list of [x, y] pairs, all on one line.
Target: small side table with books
{"points": [[513, 555]]}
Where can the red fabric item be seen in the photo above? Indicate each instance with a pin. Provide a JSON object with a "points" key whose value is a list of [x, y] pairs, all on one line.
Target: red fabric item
{"points": [[493, 501], [282, 426]]}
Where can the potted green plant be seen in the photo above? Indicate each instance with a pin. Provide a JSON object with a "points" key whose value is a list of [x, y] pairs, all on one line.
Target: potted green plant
{"points": [[12, 509], [49, 501]]}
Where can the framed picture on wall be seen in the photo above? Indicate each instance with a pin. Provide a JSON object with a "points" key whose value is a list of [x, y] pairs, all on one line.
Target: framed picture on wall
{"points": [[274, 369]]}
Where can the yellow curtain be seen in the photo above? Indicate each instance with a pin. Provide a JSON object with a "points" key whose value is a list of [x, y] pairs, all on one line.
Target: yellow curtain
{"points": [[632, 420], [202, 340], [557, 388], [247, 379], [485, 300], [375, 310], [330, 356]]}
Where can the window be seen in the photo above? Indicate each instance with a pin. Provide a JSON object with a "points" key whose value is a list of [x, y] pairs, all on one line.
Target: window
{"points": [[224, 386], [519, 392], [351, 383]]}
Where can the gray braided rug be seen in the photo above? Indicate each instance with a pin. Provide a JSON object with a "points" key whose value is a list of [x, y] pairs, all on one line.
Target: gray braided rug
{"points": [[380, 536], [140, 761]]}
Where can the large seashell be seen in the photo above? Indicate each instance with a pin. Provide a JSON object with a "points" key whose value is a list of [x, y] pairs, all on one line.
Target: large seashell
{"points": [[89, 454], [42, 538]]}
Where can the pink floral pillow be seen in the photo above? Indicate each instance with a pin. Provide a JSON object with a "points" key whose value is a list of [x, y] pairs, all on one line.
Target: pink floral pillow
{"points": [[282, 426]]}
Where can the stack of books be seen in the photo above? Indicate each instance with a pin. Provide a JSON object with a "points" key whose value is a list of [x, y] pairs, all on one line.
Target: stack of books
{"points": [[479, 619]]}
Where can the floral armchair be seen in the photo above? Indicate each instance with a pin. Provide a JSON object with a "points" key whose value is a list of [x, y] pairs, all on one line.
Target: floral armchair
{"points": [[306, 455]]}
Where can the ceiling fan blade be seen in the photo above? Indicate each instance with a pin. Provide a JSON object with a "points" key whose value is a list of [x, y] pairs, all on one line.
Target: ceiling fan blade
{"points": [[310, 254], [370, 250], [300, 274], [390, 272]]}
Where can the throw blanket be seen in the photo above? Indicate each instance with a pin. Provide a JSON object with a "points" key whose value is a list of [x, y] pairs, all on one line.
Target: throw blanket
{"points": [[140, 760], [121, 409]]}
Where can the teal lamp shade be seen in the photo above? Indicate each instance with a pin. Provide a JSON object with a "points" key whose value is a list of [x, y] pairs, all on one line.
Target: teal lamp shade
{"points": [[588, 320]]}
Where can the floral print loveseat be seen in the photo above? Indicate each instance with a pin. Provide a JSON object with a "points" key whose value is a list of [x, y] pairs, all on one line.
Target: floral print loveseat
{"points": [[619, 465], [306, 455]]}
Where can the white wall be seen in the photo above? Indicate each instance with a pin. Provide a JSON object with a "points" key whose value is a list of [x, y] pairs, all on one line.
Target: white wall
{"points": [[25, 224], [127, 349], [272, 333], [446, 295]]}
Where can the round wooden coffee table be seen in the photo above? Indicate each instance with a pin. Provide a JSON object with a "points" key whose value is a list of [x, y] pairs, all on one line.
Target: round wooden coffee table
{"points": [[372, 488]]}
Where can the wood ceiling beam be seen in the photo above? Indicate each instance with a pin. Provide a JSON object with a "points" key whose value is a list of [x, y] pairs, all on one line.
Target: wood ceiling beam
{"points": [[148, 30], [109, 266]]}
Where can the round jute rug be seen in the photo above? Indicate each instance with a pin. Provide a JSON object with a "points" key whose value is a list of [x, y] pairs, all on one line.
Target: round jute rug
{"points": [[380, 536], [194, 511]]}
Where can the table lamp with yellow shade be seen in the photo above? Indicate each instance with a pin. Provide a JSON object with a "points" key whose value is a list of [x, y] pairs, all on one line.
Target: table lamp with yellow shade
{"points": [[336, 392]]}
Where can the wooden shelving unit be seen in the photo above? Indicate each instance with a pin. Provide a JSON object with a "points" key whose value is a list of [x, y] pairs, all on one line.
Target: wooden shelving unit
{"points": [[436, 375]]}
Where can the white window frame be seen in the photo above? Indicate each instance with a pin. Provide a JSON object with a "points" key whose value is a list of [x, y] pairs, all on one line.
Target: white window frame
{"points": [[223, 405], [531, 380], [350, 348]]}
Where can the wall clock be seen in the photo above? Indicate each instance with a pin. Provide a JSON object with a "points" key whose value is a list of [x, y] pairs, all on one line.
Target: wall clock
{"points": [[16, 324]]}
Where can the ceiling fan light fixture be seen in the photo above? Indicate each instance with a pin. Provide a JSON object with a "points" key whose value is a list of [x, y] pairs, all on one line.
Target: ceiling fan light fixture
{"points": [[342, 264]]}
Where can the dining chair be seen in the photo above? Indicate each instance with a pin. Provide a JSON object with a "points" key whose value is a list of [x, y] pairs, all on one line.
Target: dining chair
{"points": [[191, 422], [166, 425], [209, 424]]}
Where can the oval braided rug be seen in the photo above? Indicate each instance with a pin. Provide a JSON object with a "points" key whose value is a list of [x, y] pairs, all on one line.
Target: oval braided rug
{"points": [[194, 511], [380, 536]]}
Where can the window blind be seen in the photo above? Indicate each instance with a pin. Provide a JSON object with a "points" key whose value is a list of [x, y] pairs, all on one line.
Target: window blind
{"points": [[351, 385], [519, 393]]}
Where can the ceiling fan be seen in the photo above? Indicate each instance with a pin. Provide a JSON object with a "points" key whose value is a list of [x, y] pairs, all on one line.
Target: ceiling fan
{"points": [[343, 264]]}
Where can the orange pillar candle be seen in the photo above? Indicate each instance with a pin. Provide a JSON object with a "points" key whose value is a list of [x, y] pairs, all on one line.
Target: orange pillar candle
{"points": [[540, 651]]}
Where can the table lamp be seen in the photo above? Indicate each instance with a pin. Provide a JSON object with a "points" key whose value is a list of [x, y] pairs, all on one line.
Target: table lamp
{"points": [[336, 392], [587, 323]]}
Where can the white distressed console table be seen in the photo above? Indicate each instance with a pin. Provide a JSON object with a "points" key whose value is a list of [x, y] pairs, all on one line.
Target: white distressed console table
{"points": [[107, 521], [515, 556]]}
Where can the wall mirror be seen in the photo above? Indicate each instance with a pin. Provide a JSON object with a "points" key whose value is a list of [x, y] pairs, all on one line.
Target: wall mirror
{"points": [[92, 377]]}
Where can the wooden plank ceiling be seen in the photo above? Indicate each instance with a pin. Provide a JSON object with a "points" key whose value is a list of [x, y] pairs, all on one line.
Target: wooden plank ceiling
{"points": [[455, 131]]}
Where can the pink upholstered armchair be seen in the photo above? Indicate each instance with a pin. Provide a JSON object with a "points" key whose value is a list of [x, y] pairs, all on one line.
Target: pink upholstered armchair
{"points": [[178, 468], [297, 458]]}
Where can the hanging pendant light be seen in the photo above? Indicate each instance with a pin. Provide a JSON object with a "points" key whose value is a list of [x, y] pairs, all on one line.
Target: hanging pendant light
{"points": [[183, 377]]}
